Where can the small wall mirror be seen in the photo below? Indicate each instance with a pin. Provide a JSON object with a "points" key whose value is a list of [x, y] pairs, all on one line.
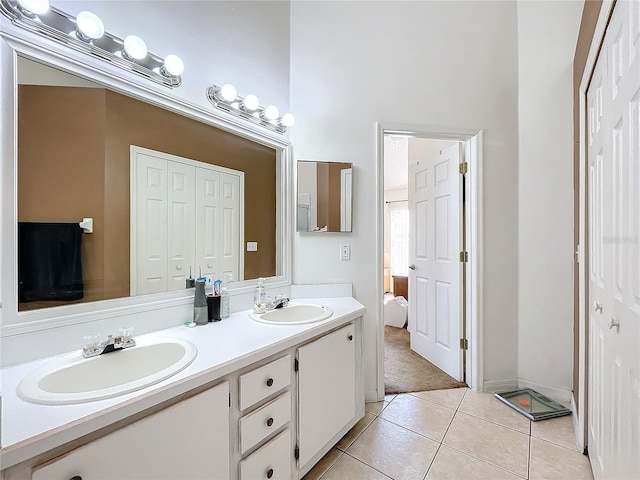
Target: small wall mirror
{"points": [[324, 196]]}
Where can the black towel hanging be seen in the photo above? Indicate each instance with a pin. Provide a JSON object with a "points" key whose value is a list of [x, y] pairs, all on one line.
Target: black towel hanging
{"points": [[50, 265]]}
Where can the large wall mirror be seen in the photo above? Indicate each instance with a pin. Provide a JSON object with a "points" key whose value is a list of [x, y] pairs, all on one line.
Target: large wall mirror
{"points": [[170, 193], [324, 196]]}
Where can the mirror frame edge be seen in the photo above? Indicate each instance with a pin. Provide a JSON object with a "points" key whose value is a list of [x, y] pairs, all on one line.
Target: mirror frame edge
{"points": [[18, 43]]}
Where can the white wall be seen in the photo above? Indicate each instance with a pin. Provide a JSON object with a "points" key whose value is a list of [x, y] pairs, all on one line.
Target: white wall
{"points": [[423, 63], [244, 43], [545, 196]]}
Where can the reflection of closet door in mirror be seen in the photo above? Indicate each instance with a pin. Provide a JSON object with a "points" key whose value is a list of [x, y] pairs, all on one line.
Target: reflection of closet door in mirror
{"points": [[187, 219]]}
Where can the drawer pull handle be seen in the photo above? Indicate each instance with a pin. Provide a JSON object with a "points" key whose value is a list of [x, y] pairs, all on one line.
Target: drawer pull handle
{"points": [[76, 477], [270, 473], [269, 422], [350, 337], [269, 382]]}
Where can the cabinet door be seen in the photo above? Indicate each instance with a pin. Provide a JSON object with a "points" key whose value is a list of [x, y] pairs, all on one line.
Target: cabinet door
{"points": [[326, 390], [189, 440]]}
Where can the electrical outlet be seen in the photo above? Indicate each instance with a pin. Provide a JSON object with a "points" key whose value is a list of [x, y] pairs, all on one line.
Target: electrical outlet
{"points": [[252, 246], [345, 252]]}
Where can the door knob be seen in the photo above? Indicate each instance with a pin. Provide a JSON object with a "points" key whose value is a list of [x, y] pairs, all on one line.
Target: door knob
{"points": [[412, 266], [613, 323], [178, 267], [597, 307]]}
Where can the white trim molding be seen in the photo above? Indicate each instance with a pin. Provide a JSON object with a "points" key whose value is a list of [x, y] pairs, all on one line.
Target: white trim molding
{"points": [[474, 138]]}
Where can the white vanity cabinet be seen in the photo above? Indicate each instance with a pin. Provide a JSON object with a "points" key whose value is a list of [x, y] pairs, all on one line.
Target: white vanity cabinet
{"points": [[270, 418], [329, 392], [188, 440]]}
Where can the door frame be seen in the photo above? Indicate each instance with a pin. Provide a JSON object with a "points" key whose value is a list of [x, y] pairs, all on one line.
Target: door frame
{"points": [[580, 406], [474, 225]]}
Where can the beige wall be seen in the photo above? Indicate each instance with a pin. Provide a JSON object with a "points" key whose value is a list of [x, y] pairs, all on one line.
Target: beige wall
{"points": [[53, 186], [74, 151]]}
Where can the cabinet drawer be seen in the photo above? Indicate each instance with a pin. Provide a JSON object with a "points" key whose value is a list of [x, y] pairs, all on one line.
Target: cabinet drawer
{"points": [[273, 461], [262, 382], [259, 424]]}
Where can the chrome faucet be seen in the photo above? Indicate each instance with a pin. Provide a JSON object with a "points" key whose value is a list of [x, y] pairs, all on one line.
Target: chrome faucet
{"points": [[279, 302], [94, 347]]}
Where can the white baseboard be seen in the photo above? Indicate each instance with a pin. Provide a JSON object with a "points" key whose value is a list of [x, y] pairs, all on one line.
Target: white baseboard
{"points": [[372, 396], [562, 395], [496, 386]]}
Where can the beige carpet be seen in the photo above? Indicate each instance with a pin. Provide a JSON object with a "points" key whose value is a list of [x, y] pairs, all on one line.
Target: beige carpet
{"points": [[406, 371]]}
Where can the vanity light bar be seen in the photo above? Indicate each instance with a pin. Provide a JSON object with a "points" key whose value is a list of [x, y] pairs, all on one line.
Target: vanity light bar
{"points": [[226, 98], [64, 28]]}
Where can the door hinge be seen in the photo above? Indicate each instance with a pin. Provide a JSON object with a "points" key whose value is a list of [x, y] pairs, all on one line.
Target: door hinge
{"points": [[464, 257], [464, 344], [295, 365], [464, 166], [296, 452]]}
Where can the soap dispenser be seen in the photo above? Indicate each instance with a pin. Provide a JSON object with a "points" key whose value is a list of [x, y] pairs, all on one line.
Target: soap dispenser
{"points": [[259, 297], [200, 311]]}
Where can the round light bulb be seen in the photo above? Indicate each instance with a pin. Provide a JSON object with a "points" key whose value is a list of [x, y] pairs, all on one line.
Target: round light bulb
{"points": [[288, 120], [271, 112], [37, 7], [90, 25], [251, 102], [228, 92], [134, 47], [173, 65]]}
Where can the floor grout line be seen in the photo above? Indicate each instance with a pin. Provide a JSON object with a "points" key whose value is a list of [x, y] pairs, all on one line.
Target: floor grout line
{"points": [[441, 442]]}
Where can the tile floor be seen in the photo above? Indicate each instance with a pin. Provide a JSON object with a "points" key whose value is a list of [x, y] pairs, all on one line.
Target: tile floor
{"points": [[452, 434]]}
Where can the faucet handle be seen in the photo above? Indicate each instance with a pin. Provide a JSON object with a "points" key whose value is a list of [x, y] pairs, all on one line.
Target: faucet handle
{"points": [[91, 341], [126, 333]]}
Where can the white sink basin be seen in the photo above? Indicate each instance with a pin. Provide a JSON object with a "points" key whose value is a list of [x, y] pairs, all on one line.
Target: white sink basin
{"points": [[75, 379], [294, 314]]}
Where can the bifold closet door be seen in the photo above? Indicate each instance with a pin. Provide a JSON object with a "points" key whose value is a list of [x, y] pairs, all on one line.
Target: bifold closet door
{"points": [[613, 155]]}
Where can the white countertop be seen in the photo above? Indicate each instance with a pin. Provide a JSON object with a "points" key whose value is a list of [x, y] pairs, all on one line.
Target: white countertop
{"points": [[29, 429]]}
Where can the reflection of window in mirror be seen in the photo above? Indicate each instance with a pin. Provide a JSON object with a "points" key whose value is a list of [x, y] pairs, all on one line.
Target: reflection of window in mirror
{"points": [[324, 196], [74, 140]]}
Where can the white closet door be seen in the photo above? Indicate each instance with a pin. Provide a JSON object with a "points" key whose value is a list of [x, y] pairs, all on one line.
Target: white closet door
{"points": [[181, 223], [614, 283], [208, 232], [230, 217], [150, 225]]}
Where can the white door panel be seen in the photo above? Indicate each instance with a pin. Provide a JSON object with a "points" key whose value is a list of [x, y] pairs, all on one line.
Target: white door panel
{"points": [[150, 226], [434, 284], [613, 212], [181, 221], [208, 234]]}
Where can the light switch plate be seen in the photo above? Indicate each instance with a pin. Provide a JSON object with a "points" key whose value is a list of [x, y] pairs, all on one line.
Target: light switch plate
{"points": [[252, 246], [345, 252]]}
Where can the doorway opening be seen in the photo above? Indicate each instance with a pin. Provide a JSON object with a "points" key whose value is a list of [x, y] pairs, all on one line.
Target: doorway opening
{"points": [[426, 311]]}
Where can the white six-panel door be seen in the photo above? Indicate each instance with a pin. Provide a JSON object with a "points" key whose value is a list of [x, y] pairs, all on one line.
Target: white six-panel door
{"points": [[185, 216], [613, 156], [434, 248]]}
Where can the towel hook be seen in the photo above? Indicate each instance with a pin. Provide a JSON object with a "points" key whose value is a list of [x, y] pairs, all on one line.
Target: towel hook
{"points": [[87, 225]]}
